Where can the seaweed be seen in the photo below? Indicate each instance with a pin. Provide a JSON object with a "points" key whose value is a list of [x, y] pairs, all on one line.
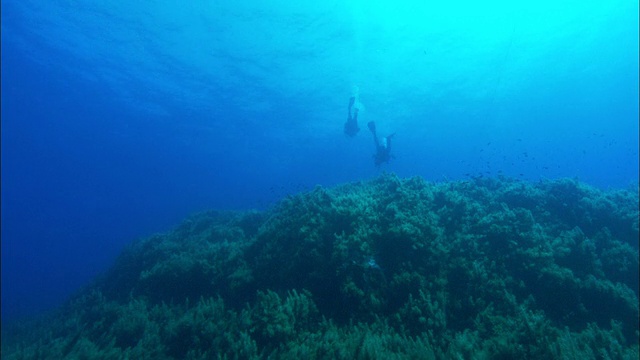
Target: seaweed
{"points": [[389, 268]]}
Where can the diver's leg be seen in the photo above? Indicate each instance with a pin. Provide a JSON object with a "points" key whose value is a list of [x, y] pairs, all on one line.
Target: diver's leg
{"points": [[372, 126], [352, 100]]}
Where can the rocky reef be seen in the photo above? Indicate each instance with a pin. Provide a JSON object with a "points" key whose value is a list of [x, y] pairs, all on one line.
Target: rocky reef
{"points": [[488, 268]]}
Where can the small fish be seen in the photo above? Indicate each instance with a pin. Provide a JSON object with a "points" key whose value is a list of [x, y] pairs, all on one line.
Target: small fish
{"points": [[372, 263]]}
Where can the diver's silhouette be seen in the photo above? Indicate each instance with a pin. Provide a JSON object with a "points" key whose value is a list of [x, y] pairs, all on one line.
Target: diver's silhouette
{"points": [[383, 146], [351, 126]]}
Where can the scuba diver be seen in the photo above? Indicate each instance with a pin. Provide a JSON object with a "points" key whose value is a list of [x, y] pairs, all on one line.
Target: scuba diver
{"points": [[383, 146], [351, 126]]}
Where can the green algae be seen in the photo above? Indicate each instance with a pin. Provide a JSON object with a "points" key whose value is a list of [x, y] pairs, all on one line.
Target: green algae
{"points": [[391, 268]]}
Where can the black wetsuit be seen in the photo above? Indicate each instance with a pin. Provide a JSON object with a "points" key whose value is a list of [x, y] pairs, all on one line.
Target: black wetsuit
{"points": [[383, 148], [351, 126]]}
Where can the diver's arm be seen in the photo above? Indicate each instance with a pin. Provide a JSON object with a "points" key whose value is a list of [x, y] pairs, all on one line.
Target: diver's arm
{"points": [[352, 101]]}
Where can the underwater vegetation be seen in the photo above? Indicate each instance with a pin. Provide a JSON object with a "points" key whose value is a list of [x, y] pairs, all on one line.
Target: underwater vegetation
{"points": [[489, 268]]}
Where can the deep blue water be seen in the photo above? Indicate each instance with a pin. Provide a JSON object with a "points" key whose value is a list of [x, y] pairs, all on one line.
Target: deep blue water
{"points": [[119, 120]]}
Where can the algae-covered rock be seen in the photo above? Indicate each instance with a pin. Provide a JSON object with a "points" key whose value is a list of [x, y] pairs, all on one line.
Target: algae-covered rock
{"points": [[391, 268]]}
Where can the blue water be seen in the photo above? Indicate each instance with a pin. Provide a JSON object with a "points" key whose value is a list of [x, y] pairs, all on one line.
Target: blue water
{"points": [[119, 120]]}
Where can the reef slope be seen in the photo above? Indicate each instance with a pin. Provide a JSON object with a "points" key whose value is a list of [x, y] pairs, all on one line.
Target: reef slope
{"points": [[391, 268]]}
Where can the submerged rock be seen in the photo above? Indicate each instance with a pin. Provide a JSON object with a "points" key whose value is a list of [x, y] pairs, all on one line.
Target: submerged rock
{"points": [[391, 268]]}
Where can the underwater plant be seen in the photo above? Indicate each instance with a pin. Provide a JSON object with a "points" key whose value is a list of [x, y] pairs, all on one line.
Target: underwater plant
{"points": [[390, 268]]}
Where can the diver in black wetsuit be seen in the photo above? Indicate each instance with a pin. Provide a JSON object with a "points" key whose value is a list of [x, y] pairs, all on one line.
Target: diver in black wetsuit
{"points": [[383, 146], [351, 126]]}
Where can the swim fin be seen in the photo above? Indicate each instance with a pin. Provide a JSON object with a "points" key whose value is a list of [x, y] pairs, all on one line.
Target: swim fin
{"points": [[372, 126]]}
